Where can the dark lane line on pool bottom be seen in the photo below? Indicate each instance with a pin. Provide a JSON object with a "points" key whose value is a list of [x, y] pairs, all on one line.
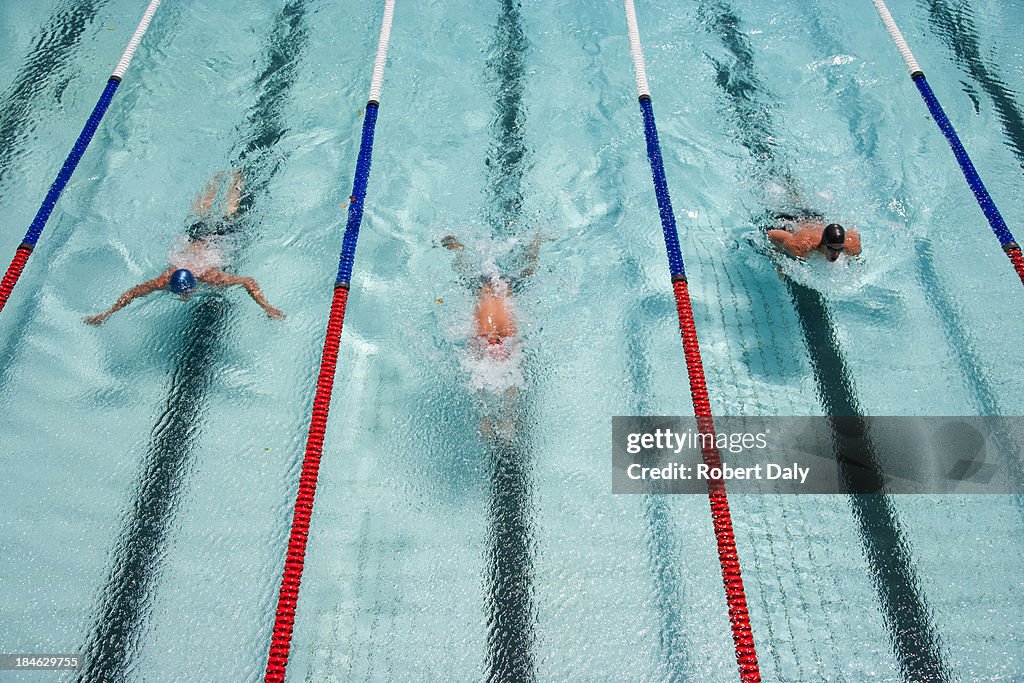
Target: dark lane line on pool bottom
{"points": [[511, 636], [127, 596], [917, 644], [511, 614], [957, 31], [914, 638], [507, 155], [47, 60]]}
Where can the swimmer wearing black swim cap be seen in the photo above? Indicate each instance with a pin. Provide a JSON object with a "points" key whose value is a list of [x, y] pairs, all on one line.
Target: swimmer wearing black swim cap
{"points": [[807, 234]]}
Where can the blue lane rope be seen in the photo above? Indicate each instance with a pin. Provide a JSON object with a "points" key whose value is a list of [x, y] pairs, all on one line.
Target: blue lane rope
{"points": [[295, 557], [988, 207], [36, 229], [355, 208], [668, 218], [995, 219], [21, 254]]}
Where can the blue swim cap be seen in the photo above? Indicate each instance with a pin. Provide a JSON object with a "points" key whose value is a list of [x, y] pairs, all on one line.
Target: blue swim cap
{"points": [[182, 282]]}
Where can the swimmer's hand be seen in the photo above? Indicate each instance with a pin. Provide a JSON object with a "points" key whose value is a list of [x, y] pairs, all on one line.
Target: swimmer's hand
{"points": [[275, 313], [451, 242], [95, 320]]}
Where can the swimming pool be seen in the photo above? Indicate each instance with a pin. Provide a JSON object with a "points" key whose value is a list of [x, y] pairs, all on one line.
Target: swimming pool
{"points": [[152, 467]]}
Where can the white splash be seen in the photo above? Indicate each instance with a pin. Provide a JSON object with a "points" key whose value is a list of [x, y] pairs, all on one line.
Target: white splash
{"points": [[199, 256], [493, 368]]}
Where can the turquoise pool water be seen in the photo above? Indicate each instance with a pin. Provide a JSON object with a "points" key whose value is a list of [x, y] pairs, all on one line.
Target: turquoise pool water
{"points": [[152, 462]]}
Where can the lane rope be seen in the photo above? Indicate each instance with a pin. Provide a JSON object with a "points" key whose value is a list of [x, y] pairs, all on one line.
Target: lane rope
{"points": [[743, 639], [24, 250], [288, 596], [988, 207]]}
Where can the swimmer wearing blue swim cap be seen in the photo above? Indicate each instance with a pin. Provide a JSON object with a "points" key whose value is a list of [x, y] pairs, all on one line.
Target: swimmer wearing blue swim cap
{"points": [[195, 261], [184, 282]]}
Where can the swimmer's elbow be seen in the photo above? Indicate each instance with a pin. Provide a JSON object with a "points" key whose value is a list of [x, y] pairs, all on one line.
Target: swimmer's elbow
{"points": [[231, 280]]}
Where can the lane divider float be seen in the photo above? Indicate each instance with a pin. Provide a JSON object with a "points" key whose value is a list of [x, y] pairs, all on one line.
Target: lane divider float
{"points": [[288, 596], [24, 250], [732, 578], [988, 207]]}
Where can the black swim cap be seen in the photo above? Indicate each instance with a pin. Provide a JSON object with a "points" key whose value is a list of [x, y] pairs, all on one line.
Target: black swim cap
{"points": [[833, 234]]}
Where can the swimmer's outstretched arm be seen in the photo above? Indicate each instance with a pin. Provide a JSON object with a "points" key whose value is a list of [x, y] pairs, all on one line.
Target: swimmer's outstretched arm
{"points": [[218, 278], [465, 271], [147, 287]]}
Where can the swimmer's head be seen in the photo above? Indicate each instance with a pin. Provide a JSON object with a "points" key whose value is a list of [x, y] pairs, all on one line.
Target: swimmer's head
{"points": [[833, 238], [182, 282], [496, 348]]}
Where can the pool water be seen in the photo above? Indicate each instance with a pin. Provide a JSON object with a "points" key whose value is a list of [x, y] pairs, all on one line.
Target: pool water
{"points": [[465, 526]]}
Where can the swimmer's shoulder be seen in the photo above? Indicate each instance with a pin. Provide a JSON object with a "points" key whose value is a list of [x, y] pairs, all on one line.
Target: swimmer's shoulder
{"points": [[218, 278], [804, 242], [853, 242]]}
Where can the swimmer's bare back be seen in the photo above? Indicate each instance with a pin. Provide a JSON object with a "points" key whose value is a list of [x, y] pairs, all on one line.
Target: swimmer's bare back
{"points": [[213, 277], [799, 244], [494, 321]]}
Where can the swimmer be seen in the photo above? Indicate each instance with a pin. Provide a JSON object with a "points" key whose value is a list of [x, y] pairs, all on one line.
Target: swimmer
{"points": [[495, 322], [196, 260], [495, 340], [805, 233]]}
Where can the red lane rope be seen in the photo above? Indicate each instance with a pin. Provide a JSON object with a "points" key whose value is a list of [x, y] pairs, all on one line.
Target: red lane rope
{"points": [[728, 558], [1018, 261], [280, 642], [13, 273]]}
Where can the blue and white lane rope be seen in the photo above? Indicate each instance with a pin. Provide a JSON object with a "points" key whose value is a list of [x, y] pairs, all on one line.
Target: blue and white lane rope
{"points": [[355, 209], [721, 517], [295, 557], [358, 196], [995, 219], [36, 229], [668, 219]]}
